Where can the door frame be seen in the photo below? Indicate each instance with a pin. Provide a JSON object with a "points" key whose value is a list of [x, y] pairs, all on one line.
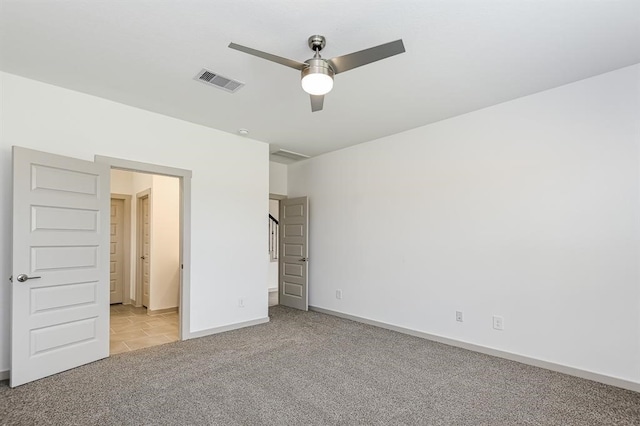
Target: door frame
{"points": [[184, 177], [139, 243], [126, 287]]}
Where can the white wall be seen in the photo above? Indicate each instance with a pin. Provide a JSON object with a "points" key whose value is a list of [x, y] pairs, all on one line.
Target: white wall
{"points": [[277, 178], [121, 182], [529, 210], [165, 243], [230, 188]]}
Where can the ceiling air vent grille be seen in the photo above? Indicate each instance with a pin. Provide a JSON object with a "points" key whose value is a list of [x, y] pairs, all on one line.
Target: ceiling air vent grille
{"points": [[216, 80], [289, 155]]}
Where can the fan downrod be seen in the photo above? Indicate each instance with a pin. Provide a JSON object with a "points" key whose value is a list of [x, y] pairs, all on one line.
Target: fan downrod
{"points": [[317, 42]]}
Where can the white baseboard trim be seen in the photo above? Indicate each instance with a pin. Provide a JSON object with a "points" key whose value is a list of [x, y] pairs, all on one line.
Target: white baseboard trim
{"points": [[4, 375], [596, 377], [222, 329], [162, 311]]}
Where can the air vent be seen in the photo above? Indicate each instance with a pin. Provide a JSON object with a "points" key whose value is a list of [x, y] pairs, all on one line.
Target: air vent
{"points": [[290, 155], [216, 80]]}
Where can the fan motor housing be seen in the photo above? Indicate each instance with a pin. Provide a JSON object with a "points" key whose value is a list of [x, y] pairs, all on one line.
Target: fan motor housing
{"points": [[318, 66]]}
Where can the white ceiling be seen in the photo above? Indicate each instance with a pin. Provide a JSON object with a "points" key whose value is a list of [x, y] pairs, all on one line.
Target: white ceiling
{"points": [[462, 55]]}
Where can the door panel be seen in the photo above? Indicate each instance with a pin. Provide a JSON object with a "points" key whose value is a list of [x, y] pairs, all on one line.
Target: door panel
{"points": [[294, 253], [117, 251], [144, 250], [60, 314]]}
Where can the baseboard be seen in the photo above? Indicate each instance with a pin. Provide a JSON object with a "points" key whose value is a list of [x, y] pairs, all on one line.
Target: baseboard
{"points": [[4, 375], [216, 330], [162, 311], [596, 377]]}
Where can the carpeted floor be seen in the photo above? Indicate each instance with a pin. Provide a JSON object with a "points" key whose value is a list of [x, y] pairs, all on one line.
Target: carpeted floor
{"points": [[306, 368]]}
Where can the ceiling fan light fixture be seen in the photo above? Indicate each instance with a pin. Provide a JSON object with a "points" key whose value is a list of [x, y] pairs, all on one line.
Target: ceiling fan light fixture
{"points": [[317, 84], [317, 78]]}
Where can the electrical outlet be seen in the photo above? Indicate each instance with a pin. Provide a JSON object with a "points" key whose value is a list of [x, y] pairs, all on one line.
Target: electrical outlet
{"points": [[459, 316], [240, 303], [498, 323], [338, 294]]}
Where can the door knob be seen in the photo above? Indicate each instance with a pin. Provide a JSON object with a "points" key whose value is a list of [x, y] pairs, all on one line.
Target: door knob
{"points": [[24, 277], [304, 259], [142, 257]]}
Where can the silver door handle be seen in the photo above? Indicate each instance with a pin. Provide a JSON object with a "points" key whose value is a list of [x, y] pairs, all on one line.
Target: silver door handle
{"points": [[24, 277], [304, 259]]}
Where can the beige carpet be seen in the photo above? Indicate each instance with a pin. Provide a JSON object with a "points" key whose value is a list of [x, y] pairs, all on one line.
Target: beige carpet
{"points": [[306, 368]]}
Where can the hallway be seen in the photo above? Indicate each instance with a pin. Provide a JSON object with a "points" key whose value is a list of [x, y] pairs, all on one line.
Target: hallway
{"points": [[131, 328]]}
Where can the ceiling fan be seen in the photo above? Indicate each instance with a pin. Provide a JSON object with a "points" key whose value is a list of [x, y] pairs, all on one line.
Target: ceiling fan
{"points": [[317, 73]]}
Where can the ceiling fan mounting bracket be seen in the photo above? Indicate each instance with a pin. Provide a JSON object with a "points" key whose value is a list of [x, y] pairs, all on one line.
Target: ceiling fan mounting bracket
{"points": [[317, 42]]}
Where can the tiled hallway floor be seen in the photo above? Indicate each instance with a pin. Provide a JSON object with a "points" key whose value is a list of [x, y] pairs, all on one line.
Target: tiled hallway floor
{"points": [[132, 328]]}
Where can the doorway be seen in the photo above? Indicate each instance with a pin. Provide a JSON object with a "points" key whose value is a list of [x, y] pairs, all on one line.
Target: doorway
{"points": [[184, 237], [288, 273], [64, 272], [274, 250], [148, 314]]}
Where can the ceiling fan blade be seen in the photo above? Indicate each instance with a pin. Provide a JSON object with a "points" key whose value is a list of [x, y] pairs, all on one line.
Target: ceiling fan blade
{"points": [[357, 59], [316, 102], [269, 57]]}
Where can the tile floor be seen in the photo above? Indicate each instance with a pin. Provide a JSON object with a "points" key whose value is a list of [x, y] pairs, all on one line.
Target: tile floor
{"points": [[132, 328]]}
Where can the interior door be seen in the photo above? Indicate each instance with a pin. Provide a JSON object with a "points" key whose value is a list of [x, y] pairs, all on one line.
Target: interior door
{"points": [[60, 286], [145, 250], [116, 251], [294, 225]]}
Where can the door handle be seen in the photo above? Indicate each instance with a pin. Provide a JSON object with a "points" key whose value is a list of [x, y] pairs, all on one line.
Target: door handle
{"points": [[142, 257], [304, 259], [24, 277]]}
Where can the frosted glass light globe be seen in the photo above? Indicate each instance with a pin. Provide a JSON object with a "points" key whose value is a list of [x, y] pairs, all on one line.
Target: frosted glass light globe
{"points": [[317, 83]]}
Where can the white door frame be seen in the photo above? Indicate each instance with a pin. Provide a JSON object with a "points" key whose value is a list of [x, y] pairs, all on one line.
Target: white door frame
{"points": [[126, 287], [184, 177]]}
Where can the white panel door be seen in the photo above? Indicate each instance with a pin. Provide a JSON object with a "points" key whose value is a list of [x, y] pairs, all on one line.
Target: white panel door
{"points": [[116, 251], [294, 225], [60, 287]]}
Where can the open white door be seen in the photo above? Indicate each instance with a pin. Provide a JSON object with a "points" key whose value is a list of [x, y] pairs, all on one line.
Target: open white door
{"points": [[294, 226], [60, 288]]}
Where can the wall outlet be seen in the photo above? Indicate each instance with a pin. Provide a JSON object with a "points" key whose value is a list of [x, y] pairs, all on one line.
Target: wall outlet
{"points": [[241, 303], [498, 323], [459, 316], [338, 294]]}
